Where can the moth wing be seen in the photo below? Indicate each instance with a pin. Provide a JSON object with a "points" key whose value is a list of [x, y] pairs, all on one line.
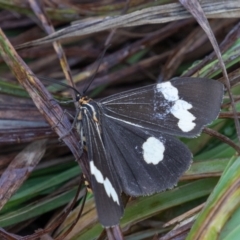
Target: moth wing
{"points": [[179, 107], [146, 162], [105, 186]]}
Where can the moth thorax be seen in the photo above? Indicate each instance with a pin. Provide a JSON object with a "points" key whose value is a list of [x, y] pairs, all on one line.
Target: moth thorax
{"points": [[92, 109]]}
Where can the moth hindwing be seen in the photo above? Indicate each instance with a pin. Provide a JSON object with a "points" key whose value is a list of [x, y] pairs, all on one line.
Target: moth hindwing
{"points": [[131, 143]]}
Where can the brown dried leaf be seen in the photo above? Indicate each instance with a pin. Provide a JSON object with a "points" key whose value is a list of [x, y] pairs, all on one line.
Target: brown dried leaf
{"points": [[19, 169], [152, 15]]}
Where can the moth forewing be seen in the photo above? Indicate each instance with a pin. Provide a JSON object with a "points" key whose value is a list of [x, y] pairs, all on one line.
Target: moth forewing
{"points": [[180, 107], [104, 183]]}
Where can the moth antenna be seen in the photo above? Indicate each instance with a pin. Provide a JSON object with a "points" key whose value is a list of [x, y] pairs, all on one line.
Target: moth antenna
{"points": [[78, 94], [99, 60]]}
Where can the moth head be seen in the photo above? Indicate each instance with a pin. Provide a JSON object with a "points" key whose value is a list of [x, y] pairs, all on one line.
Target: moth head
{"points": [[83, 100]]}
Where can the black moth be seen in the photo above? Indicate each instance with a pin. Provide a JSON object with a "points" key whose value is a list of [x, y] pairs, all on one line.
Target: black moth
{"points": [[130, 138]]}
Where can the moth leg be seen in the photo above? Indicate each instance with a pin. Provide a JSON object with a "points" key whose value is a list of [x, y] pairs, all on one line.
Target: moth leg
{"points": [[59, 120], [65, 102], [87, 184], [61, 117], [73, 123]]}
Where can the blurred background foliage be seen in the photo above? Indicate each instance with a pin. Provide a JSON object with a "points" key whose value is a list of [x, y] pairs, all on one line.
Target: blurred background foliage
{"points": [[149, 45]]}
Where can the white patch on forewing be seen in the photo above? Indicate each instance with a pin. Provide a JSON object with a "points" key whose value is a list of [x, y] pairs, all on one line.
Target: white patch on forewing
{"points": [[169, 92], [106, 183], [180, 107], [153, 150], [180, 111]]}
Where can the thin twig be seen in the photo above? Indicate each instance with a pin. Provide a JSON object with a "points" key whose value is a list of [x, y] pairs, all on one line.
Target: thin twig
{"points": [[222, 138]]}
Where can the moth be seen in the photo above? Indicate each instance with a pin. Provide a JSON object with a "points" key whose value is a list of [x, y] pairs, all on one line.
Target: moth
{"points": [[130, 137]]}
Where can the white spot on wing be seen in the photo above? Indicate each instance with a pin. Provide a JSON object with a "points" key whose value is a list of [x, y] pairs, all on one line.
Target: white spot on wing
{"points": [[169, 92], [153, 150], [180, 107], [180, 111], [106, 183]]}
